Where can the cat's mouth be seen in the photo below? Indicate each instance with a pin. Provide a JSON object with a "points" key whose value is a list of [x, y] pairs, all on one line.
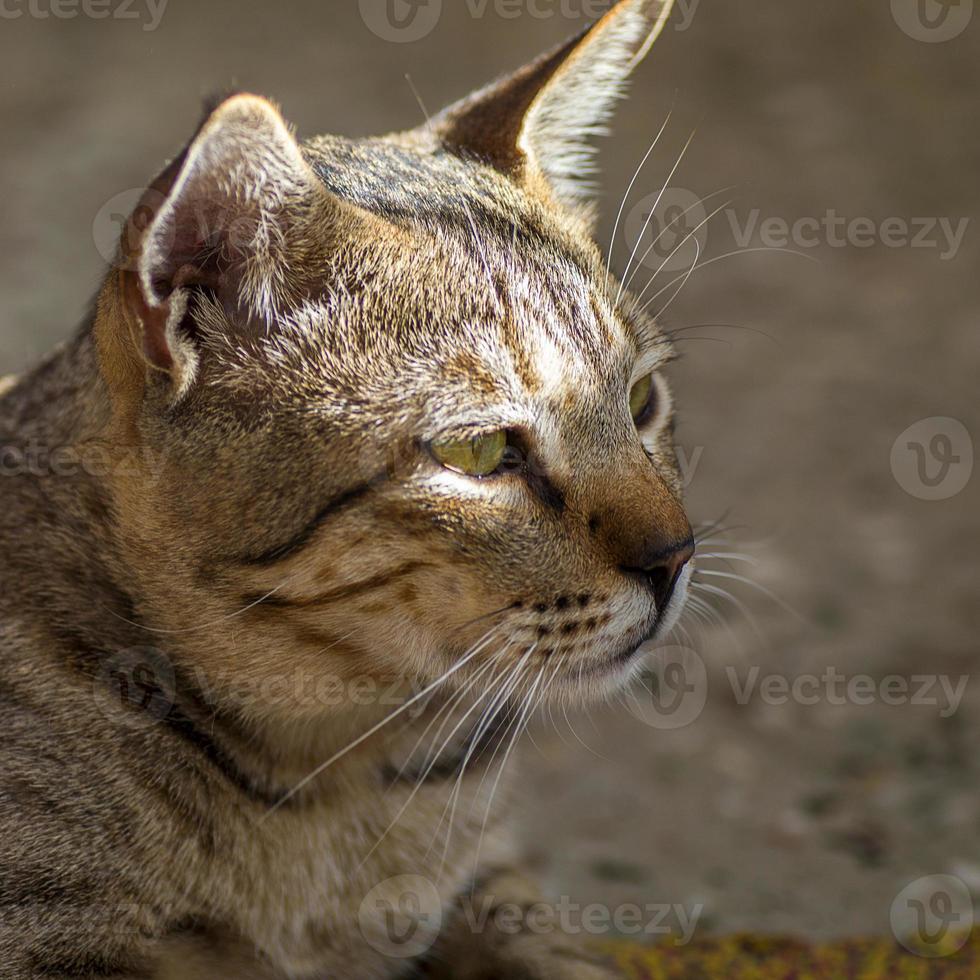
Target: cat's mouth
{"points": [[617, 666]]}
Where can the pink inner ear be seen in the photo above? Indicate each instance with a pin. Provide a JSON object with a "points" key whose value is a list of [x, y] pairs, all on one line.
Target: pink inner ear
{"points": [[153, 320]]}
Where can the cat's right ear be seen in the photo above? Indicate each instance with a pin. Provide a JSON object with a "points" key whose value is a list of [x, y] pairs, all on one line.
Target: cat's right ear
{"points": [[218, 218], [536, 124]]}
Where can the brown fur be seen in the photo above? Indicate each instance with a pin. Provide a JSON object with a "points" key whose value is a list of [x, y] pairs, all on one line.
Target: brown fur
{"points": [[235, 516]]}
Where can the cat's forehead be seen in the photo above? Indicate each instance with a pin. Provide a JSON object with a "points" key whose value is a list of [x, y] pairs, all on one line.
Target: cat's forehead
{"points": [[401, 179], [468, 264]]}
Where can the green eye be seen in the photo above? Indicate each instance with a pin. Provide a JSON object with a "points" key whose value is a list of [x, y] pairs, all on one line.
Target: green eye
{"points": [[641, 398], [474, 457]]}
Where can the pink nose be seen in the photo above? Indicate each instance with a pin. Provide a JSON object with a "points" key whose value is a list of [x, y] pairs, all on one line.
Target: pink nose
{"points": [[661, 571]]}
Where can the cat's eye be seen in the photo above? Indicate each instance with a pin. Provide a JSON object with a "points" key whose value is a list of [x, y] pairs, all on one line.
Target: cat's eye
{"points": [[643, 399], [479, 456]]}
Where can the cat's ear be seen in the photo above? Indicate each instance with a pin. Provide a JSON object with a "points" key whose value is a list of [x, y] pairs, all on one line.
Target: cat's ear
{"points": [[536, 124], [217, 218]]}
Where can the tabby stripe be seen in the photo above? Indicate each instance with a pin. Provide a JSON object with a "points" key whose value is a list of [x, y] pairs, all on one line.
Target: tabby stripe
{"points": [[87, 659], [182, 725], [342, 592], [302, 539]]}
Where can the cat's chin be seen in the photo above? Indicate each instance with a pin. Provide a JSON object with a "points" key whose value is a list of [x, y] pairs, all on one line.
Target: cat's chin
{"points": [[605, 676], [617, 670]]}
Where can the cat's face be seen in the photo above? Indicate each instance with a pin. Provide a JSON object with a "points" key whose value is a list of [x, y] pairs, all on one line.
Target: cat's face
{"points": [[404, 417]]}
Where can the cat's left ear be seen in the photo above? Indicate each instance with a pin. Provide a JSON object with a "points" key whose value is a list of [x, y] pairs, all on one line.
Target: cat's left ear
{"points": [[219, 218], [535, 125]]}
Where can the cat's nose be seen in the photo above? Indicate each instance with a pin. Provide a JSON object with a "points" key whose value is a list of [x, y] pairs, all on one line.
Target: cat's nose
{"points": [[661, 571], [644, 530]]}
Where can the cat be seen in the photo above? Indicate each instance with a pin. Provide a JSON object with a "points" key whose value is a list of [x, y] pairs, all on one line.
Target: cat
{"points": [[360, 456]]}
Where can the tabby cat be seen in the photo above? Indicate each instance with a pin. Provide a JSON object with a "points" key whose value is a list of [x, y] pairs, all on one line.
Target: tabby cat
{"points": [[360, 456]]}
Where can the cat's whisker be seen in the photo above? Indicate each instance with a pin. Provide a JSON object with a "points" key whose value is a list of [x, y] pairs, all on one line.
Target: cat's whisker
{"points": [[726, 559], [694, 265], [651, 215], [667, 227], [421, 781], [715, 618], [782, 603], [705, 340], [373, 730], [718, 258], [629, 190], [578, 738], [688, 237], [489, 716], [711, 527], [734, 600], [203, 626], [447, 708], [483, 616], [676, 331], [562, 705], [529, 707], [454, 796]]}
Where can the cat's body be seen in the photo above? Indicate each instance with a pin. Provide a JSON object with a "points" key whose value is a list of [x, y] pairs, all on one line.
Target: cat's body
{"points": [[238, 536]]}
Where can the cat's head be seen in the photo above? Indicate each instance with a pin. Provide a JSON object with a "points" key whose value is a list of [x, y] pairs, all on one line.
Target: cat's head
{"points": [[389, 406]]}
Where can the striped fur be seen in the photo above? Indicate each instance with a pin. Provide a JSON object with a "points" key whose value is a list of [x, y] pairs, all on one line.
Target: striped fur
{"points": [[227, 501]]}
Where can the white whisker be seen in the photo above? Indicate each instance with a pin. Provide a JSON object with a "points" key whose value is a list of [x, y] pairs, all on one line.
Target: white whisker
{"points": [[629, 189], [459, 665], [650, 216]]}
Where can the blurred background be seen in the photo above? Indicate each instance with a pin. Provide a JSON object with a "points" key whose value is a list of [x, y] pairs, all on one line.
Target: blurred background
{"points": [[830, 343]]}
